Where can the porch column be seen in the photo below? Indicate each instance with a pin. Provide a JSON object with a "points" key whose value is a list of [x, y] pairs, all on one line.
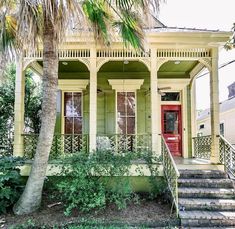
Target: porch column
{"points": [[93, 102], [193, 113], [154, 99], [19, 108], [214, 108]]}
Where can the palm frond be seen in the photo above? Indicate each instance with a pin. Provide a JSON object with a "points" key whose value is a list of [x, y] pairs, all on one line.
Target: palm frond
{"points": [[99, 15], [63, 14], [130, 29], [30, 21]]}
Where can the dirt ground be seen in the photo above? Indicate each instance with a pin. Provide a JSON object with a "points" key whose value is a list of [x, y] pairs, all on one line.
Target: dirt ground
{"points": [[151, 213]]}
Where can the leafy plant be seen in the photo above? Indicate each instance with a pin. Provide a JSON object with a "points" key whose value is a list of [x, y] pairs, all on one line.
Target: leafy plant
{"points": [[10, 182], [94, 181]]}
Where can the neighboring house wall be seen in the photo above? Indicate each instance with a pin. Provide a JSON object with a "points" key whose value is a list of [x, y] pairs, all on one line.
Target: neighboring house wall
{"points": [[227, 119]]}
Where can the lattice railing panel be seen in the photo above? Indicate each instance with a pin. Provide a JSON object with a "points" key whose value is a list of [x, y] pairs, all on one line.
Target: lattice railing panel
{"points": [[63, 53], [184, 53], [121, 53], [124, 142], [171, 173], [62, 145], [202, 147], [227, 156]]}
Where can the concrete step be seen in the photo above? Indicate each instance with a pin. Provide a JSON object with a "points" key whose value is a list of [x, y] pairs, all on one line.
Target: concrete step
{"points": [[207, 204], [205, 183], [207, 218], [204, 174], [220, 193]]}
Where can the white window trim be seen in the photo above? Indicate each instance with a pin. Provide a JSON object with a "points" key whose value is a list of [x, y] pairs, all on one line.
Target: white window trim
{"points": [[72, 85], [116, 112], [63, 107], [67, 85], [125, 85]]}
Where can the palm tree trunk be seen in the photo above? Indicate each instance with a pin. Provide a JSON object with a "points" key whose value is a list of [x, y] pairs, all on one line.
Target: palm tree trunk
{"points": [[30, 200]]}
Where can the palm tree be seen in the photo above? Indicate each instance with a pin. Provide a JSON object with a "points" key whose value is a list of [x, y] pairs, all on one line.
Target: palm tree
{"points": [[45, 21]]}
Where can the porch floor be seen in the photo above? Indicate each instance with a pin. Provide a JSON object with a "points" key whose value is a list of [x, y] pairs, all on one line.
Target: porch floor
{"points": [[195, 163]]}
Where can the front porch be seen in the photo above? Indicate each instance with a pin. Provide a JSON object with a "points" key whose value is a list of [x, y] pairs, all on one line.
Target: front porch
{"points": [[114, 99]]}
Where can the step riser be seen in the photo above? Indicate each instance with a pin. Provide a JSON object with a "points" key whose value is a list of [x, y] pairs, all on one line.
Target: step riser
{"points": [[191, 207], [206, 195], [205, 185], [207, 222], [203, 176]]}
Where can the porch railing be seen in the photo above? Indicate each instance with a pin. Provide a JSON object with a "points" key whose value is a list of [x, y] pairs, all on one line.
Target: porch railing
{"points": [[171, 173], [227, 156], [202, 147], [124, 142], [63, 144]]}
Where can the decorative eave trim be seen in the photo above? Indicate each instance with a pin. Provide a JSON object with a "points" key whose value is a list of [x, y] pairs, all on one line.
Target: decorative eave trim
{"points": [[72, 85], [126, 84]]}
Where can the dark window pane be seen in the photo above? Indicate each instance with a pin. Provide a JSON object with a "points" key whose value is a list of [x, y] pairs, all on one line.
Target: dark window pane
{"points": [[170, 122], [68, 129], [130, 125], [171, 96], [77, 125], [221, 128], [77, 100], [121, 103], [68, 104], [121, 125], [130, 103]]}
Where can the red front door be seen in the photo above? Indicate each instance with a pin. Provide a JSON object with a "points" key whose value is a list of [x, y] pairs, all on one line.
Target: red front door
{"points": [[172, 128]]}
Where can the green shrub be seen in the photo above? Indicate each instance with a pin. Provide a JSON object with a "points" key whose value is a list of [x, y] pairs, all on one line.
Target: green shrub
{"points": [[89, 185], [10, 182]]}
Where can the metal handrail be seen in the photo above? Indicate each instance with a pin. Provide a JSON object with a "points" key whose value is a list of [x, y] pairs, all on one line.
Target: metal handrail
{"points": [[171, 174]]}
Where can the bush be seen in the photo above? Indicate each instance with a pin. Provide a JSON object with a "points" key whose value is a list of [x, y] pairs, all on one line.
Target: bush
{"points": [[10, 182], [89, 183]]}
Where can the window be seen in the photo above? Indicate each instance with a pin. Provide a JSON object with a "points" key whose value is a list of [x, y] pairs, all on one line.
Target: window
{"points": [[126, 103], [72, 112], [171, 96], [221, 128], [202, 126], [171, 122]]}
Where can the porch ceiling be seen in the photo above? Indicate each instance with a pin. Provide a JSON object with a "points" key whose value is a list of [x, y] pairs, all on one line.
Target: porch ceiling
{"points": [[70, 66], [170, 69], [176, 69], [120, 66]]}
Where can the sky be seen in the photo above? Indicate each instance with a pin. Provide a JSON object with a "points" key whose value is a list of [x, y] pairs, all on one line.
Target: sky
{"points": [[204, 14]]}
